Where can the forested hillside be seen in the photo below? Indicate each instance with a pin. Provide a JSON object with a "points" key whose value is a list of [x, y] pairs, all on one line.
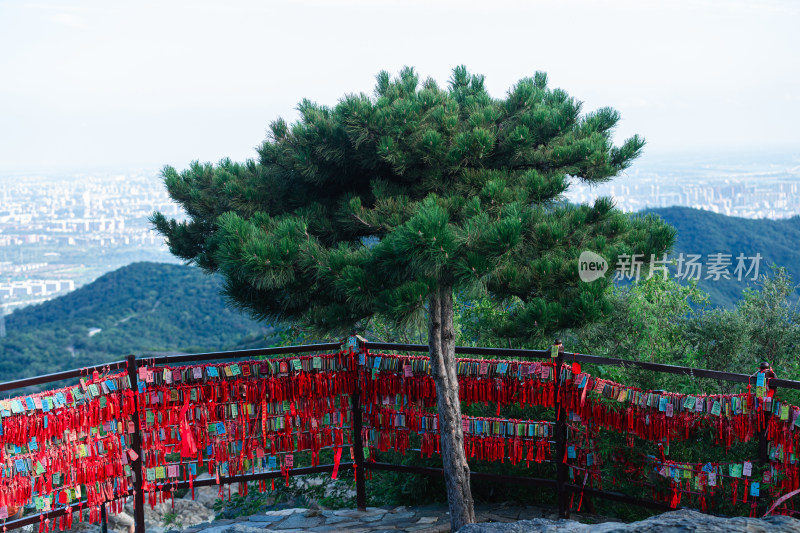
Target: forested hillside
{"points": [[704, 232], [141, 308], [157, 307]]}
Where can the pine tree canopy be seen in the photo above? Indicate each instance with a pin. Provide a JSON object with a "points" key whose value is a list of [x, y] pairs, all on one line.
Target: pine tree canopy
{"points": [[366, 207]]}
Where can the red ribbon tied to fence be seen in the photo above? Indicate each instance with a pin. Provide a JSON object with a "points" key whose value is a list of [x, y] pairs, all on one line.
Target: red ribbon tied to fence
{"points": [[188, 444]]}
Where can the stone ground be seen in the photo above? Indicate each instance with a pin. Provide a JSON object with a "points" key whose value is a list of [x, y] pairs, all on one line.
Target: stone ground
{"points": [[427, 519], [683, 521], [197, 516]]}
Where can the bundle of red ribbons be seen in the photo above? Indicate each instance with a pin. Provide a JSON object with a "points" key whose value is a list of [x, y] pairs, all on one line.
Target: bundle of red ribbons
{"points": [[67, 447], [235, 418], [398, 389]]}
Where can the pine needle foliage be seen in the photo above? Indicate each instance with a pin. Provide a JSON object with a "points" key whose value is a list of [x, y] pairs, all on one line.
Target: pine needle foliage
{"points": [[364, 208]]}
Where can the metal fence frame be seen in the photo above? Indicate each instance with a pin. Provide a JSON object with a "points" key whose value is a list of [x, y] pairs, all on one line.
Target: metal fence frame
{"points": [[563, 489]]}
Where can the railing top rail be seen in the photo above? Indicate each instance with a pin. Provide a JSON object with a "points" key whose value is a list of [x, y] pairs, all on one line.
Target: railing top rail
{"points": [[236, 354], [164, 360], [58, 376], [461, 350], [594, 359]]}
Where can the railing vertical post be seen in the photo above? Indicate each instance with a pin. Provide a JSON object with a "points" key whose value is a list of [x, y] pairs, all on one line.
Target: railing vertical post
{"points": [[358, 443], [136, 446], [103, 519], [560, 436], [763, 438], [768, 375]]}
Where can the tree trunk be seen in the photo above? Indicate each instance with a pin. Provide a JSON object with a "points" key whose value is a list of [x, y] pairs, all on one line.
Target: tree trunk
{"points": [[442, 344]]}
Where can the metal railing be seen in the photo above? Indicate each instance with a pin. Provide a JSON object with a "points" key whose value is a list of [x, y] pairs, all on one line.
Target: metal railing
{"points": [[562, 488]]}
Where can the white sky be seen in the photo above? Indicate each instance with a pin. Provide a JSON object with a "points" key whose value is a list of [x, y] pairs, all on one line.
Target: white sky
{"points": [[114, 86]]}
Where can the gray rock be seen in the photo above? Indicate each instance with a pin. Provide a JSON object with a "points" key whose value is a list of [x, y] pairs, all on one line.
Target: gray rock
{"points": [[341, 520], [248, 527], [205, 496], [356, 530], [342, 526], [286, 512], [265, 518], [239, 527], [355, 513], [683, 521], [431, 528], [397, 518], [298, 521], [331, 528], [216, 529]]}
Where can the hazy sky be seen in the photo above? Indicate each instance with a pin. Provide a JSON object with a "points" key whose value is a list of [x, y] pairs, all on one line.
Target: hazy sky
{"points": [[87, 86]]}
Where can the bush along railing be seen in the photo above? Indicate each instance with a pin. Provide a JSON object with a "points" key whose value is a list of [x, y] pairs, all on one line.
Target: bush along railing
{"points": [[246, 416]]}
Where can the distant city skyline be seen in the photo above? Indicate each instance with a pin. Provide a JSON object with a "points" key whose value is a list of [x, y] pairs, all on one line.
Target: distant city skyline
{"points": [[59, 233], [91, 86]]}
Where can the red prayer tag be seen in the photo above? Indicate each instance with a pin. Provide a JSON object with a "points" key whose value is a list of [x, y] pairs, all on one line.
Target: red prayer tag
{"points": [[337, 457]]}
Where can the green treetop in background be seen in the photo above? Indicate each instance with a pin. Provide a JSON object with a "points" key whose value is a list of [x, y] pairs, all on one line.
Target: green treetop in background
{"points": [[387, 205]]}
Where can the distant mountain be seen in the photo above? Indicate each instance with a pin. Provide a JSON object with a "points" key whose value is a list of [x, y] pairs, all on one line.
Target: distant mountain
{"points": [[141, 308], [705, 233], [148, 308]]}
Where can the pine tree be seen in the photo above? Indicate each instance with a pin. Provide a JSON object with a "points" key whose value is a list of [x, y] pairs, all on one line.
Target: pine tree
{"points": [[390, 205]]}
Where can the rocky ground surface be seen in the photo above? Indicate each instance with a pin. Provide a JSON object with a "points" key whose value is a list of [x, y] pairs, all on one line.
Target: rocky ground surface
{"points": [[675, 522], [197, 516], [427, 519]]}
